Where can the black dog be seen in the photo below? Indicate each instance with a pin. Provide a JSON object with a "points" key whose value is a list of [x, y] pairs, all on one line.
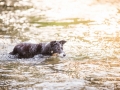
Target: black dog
{"points": [[29, 50]]}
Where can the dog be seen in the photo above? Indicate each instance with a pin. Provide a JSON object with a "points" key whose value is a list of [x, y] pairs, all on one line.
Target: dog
{"points": [[29, 50]]}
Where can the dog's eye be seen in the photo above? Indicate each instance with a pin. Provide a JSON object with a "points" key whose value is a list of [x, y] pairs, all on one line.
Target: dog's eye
{"points": [[58, 48], [51, 51]]}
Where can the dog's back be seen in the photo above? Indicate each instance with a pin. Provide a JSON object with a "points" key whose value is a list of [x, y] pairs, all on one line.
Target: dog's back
{"points": [[26, 50]]}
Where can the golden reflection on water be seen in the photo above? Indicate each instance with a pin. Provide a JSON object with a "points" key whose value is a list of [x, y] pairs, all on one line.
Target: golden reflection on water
{"points": [[104, 14]]}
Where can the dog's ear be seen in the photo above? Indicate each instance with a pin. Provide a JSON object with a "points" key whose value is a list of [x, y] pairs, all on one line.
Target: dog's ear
{"points": [[62, 42], [52, 43]]}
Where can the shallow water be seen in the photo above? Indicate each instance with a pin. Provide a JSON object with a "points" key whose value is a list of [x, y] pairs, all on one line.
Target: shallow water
{"points": [[93, 44]]}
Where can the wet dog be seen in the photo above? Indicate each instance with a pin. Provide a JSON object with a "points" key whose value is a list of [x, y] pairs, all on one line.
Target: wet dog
{"points": [[29, 50]]}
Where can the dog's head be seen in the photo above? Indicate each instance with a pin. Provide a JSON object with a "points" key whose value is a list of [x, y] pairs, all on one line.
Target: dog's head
{"points": [[57, 48]]}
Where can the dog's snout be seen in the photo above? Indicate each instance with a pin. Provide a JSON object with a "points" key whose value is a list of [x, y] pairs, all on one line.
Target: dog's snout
{"points": [[64, 55]]}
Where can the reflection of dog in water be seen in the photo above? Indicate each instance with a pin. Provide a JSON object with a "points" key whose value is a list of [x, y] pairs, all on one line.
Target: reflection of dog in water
{"points": [[29, 50]]}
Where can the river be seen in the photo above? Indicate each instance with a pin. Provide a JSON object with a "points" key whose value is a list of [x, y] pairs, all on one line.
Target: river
{"points": [[91, 29]]}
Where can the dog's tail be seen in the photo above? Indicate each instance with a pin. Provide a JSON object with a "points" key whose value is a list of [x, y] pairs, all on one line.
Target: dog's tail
{"points": [[13, 52]]}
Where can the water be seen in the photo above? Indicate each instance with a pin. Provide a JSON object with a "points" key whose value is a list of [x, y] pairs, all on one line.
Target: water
{"points": [[91, 30]]}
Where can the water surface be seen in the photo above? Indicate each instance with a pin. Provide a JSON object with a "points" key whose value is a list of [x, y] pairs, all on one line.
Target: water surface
{"points": [[91, 30]]}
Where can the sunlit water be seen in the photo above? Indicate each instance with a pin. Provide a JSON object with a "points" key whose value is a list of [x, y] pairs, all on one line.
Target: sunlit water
{"points": [[91, 30]]}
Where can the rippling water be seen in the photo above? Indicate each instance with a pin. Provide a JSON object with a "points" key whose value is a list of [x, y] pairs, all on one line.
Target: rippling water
{"points": [[92, 32]]}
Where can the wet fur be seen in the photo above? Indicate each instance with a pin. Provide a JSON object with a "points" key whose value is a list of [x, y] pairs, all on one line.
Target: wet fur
{"points": [[29, 50]]}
